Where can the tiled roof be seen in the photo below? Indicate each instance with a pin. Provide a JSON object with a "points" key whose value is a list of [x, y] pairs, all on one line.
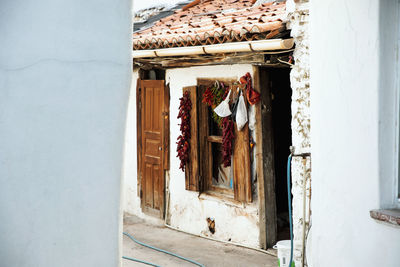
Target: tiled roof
{"points": [[214, 21]]}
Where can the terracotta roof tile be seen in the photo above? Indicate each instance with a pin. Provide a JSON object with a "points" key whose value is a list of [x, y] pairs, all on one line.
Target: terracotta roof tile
{"points": [[214, 21]]}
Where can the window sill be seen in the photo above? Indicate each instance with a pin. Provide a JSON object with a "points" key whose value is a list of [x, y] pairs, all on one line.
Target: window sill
{"points": [[391, 216], [222, 198]]}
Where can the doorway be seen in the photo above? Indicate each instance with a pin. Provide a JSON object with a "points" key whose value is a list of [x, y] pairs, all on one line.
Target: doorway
{"points": [[153, 143], [282, 132], [276, 139]]}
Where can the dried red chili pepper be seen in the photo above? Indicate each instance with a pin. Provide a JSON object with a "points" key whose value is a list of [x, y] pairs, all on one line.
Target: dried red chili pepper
{"points": [[253, 97], [227, 141], [213, 97], [183, 144], [208, 97]]}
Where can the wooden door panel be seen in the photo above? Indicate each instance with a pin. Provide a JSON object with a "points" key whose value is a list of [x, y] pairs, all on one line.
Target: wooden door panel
{"points": [[157, 110], [148, 109], [148, 185], [156, 186], [152, 133], [152, 151]]}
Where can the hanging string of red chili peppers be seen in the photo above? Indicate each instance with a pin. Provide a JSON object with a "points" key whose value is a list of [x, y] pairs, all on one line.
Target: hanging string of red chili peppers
{"points": [[183, 147], [227, 140], [213, 96]]}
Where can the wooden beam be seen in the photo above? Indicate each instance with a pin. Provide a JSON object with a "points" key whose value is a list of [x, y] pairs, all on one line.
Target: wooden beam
{"points": [[265, 161], [255, 58], [215, 139]]}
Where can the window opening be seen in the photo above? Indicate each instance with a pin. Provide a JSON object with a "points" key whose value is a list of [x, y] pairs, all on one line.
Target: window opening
{"points": [[221, 176]]}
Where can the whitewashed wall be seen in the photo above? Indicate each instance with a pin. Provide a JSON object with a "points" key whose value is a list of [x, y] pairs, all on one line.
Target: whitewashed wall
{"points": [[353, 93], [188, 212], [65, 70], [298, 22]]}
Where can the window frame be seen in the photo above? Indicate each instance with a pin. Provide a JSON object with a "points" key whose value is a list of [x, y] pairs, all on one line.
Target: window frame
{"points": [[198, 175], [389, 106], [204, 120]]}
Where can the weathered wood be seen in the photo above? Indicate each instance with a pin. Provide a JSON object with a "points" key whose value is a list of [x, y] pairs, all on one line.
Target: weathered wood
{"points": [[166, 127], [139, 137], [204, 146], [241, 165], [241, 158], [206, 157], [215, 139], [241, 155], [206, 82], [259, 165], [218, 59], [192, 168], [152, 144], [222, 192], [267, 196], [255, 58]]}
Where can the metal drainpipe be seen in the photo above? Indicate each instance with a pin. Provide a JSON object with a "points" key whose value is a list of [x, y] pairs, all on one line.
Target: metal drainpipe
{"points": [[304, 157]]}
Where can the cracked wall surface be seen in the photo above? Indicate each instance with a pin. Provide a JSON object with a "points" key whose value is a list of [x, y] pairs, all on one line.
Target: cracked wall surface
{"points": [[298, 22]]}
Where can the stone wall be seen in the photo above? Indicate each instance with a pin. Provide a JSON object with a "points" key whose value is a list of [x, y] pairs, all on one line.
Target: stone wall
{"points": [[298, 22]]}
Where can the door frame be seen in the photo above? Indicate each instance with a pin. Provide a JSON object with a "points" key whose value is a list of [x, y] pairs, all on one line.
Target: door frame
{"points": [[265, 161], [165, 146]]}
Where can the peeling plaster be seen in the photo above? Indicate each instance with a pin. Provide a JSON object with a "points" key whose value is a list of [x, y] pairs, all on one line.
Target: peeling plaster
{"points": [[190, 211], [298, 17]]}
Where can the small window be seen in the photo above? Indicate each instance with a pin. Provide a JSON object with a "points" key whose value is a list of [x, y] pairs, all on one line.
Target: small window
{"points": [[220, 178], [217, 178], [205, 171]]}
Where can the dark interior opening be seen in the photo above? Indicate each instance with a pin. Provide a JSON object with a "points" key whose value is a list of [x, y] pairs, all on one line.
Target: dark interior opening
{"points": [[277, 139], [281, 95], [152, 74]]}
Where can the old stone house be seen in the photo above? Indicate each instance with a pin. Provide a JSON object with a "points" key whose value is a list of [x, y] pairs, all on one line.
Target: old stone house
{"points": [[217, 42]]}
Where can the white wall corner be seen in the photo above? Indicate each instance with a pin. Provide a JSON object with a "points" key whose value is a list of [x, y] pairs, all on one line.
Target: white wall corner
{"points": [[297, 21]]}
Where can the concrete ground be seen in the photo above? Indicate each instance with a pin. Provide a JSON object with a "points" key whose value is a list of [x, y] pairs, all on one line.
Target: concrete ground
{"points": [[207, 252]]}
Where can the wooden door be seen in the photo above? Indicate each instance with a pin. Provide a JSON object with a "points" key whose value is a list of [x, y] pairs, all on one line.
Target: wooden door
{"points": [[152, 105]]}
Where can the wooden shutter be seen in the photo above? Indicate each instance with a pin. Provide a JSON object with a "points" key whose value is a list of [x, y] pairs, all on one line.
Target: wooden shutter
{"points": [[192, 168], [205, 160], [241, 163]]}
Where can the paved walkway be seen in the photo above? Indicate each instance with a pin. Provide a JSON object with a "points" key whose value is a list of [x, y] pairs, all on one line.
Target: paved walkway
{"points": [[208, 252]]}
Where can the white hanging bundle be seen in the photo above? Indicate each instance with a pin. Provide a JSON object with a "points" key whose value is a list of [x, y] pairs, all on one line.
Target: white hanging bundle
{"points": [[223, 109], [241, 113]]}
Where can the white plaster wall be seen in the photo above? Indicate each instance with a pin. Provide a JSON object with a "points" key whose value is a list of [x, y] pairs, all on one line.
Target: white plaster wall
{"points": [[187, 211], [131, 203], [298, 22], [64, 81], [347, 72]]}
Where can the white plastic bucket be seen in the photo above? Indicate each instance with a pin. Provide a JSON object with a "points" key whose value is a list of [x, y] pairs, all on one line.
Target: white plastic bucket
{"points": [[283, 247]]}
